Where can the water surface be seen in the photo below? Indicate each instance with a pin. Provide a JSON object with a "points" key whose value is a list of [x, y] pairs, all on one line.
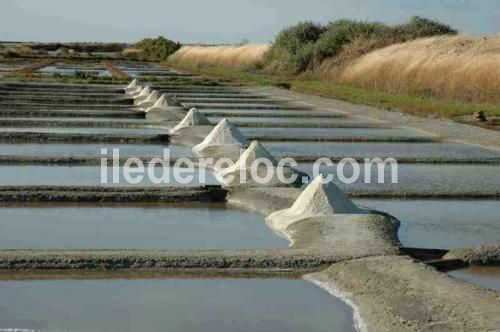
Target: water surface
{"points": [[437, 151], [32, 175], [90, 150], [446, 224], [154, 226], [86, 130], [484, 276], [417, 178], [171, 305], [331, 132]]}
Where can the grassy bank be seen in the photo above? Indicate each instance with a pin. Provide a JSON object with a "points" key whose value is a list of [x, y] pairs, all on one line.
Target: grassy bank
{"points": [[423, 106], [420, 67]]}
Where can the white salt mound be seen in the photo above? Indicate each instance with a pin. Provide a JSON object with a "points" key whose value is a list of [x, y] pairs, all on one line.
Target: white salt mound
{"points": [[225, 133], [318, 199], [193, 118], [152, 98], [144, 93], [255, 151], [135, 91], [132, 84], [160, 105]]}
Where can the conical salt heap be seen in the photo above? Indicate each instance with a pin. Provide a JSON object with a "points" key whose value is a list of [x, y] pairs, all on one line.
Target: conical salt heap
{"points": [[132, 86], [144, 93], [320, 198], [160, 104], [193, 118], [135, 91], [255, 151], [240, 174], [150, 100], [224, 134]]}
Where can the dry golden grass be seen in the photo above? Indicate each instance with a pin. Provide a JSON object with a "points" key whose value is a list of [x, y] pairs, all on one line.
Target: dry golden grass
{"points": [[458, 67], [225, 56]]}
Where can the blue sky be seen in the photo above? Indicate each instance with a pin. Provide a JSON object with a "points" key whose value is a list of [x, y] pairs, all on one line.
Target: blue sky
{"points": [[220, 20]]}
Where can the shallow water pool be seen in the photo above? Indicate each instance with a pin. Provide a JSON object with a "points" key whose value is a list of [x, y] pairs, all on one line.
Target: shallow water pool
{"points": [[171, 176], [171, 305], [87, 130], [446, 224], [418, 179], [153, 226], [89, 150], [484, 276], [424, 151]]}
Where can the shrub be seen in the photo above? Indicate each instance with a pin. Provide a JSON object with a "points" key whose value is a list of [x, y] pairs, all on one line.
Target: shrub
{"points": [[294, 47], [292, 39], [304, 45], [419, 27], [157, 49], [342, 32], [78, 74]]}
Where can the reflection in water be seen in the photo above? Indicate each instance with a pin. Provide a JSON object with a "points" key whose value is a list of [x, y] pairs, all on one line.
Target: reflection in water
{"points": [[171, 305]]}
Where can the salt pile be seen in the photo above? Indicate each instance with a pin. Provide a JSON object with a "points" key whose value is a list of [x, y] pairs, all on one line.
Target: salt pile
{"points": [[143, 93], [159, 105], [193, 118], [224, 134], [150, 100], [320, 198], [135, 91], [132, 86], [255, 151]]}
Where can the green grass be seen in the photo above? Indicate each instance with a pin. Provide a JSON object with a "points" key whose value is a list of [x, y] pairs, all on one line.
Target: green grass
{"points": [[395, 101], [405, 103]]}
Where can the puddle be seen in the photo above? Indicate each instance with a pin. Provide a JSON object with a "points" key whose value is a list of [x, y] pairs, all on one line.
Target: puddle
{"points": [[171, 304], [421, 178], [446, 224], [433, 151], [201, 226], [91, 176], [486, 277], [92, 150]]}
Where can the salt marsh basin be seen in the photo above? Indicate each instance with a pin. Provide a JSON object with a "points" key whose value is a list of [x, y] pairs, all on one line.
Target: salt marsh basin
{"points": [[172, 304]]}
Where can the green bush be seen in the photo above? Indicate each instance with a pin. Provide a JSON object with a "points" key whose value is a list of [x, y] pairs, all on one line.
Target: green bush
{"points": [[419, 27], [157, 49], [81, 75], [300, 47], [342, 32], [292, 39], [294, 47]]}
